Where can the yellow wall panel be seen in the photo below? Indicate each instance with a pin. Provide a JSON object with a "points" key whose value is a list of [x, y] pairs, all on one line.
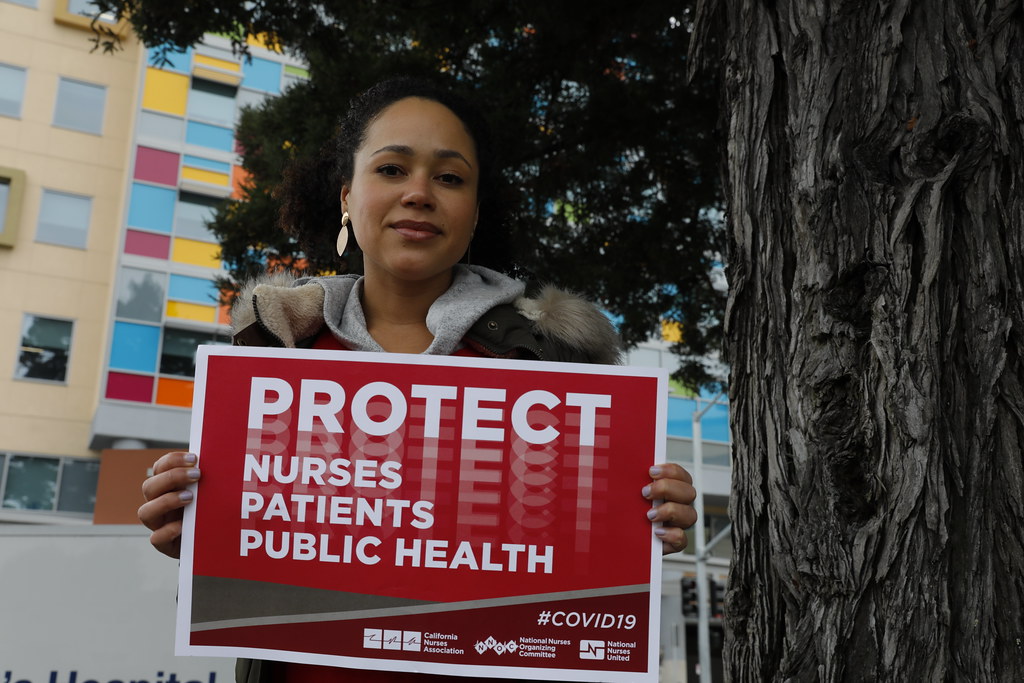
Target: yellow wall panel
{"points": [[205, 176], [260, 40], [165, 91], [179, 309], [219, 76], [195, 253], [671, 331], [217, 63]]}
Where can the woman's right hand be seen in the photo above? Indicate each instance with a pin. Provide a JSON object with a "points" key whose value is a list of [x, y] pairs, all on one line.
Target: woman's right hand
{"points": [[166, 496]]}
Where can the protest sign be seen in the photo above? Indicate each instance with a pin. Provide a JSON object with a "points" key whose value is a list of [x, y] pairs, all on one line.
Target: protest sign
{"points": [[450, 515]]}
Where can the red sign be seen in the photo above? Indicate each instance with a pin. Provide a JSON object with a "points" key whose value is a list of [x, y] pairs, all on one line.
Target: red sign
{"points": [[421, 513]]}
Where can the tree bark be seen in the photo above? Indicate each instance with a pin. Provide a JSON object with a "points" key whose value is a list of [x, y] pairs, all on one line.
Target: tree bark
{"points": [[875, 326]]}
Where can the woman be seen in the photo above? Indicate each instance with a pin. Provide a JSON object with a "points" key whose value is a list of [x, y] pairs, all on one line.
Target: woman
{"points": [[413, 169]]}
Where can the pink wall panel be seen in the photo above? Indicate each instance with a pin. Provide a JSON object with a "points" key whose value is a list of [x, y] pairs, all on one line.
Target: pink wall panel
{"points": [[147, 244], [130, 387], [156, 166]]}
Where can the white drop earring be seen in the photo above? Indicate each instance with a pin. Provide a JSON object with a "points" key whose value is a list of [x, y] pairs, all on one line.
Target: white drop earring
{"points": [[343, 234]]}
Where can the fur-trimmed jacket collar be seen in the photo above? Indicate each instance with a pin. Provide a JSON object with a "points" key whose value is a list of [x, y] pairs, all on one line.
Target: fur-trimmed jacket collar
{"points": [[483, 309]]}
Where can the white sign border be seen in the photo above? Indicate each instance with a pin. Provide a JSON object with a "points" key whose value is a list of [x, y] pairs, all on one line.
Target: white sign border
{"points": [[184, 613]]}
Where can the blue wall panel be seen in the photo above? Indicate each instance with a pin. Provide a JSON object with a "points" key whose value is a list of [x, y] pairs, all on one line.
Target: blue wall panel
{"points": [[134, 347], [152, 207], [193, 289], [205, 135], [262, 74], [207, 164], [179, 61]]}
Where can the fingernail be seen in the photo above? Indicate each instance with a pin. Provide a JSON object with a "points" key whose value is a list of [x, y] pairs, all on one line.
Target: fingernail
{"points": [[190, 458], [646, 491], [193, 474], [656, 471], [184, 496], [660, 531], [651, 514]]}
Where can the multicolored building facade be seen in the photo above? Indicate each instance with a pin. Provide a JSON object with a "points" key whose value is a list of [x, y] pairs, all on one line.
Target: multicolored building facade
{"points": [[66, 122], [166, 300], [109, 166]]}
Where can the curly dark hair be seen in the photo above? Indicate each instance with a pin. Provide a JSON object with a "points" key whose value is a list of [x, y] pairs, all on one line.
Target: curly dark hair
{"points": [[309, 195]]}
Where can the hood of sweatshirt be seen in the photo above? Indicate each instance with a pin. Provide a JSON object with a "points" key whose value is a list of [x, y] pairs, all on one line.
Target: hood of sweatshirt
{"points": [[295, 309]]}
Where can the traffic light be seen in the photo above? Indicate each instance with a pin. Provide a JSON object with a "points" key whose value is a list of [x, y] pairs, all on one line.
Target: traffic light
{"points": [[689, 592], [716, 596]]}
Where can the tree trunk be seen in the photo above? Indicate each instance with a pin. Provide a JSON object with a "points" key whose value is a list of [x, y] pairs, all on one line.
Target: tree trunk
{"points": [[876, 335]]}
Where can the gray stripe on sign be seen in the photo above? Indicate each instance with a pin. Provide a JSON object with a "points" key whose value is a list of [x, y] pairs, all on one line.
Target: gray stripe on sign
{"points": [[414, 607]]}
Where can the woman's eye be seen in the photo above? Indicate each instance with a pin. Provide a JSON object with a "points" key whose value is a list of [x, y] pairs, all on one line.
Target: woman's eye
{"points": [[389, 170], [450, 179]]}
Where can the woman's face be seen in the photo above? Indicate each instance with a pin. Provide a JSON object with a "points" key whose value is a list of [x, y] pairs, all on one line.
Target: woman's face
{"points": [[413, 195]]}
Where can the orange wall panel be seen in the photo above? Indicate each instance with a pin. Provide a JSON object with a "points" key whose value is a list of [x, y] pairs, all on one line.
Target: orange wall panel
{"points": [[174, 392], [239, 176]]}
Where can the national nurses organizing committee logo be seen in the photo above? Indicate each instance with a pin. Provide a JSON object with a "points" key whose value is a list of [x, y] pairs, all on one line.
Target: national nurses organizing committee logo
{"points": [[591, 649], [499, 647]]}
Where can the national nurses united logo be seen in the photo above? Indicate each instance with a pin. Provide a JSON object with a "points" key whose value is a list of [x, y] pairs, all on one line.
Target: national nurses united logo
{"points": [[592, 649]]}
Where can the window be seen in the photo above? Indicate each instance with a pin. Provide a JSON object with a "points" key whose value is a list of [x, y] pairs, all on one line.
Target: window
{"points": [[30, 482], [45, 345], [12, 90], [64, 219], [79, 14], [87, 8], [140, 295], [178, 356], [77, 491], [161, 128], [249, 98], [80, 106], [27, 3], [212, 102], [194, 210]]}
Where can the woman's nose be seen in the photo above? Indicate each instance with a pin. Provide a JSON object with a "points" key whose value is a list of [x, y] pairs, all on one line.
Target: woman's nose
{"points": [[418, 193]]}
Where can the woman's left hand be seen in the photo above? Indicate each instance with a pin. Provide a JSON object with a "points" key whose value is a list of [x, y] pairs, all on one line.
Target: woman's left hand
{"points": [[673, 486]]}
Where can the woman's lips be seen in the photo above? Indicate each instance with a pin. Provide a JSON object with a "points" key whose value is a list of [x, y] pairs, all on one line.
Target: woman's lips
{"points": [[416, 230]]}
